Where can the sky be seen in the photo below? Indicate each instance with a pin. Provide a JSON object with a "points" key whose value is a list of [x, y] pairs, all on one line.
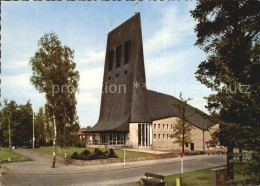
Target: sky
{"points": [[170, 57]]}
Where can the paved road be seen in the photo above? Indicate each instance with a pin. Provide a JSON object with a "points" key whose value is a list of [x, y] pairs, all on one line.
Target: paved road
{"points": [[111, 174]]}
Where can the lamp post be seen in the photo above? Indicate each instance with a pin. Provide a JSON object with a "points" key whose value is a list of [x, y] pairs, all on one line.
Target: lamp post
{"points": [[33, 130], [124, 155]]}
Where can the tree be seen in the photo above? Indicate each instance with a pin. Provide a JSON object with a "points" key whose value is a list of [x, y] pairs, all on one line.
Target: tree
{"points": [[9, 120], [40, 122], [178, 132], [228, 32], [48, 126], [20, 124], [182, 128], [54, 74]]}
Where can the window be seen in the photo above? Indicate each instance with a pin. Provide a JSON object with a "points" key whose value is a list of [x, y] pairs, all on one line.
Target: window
{"points": [[167, 136], [163, 136], [159, 126], [163, 126], [118, 55], [186, 144], [154, 126], [167, 126], [192, 146], [159, 136], [171, 127], [154, 136], [111, 59], [127, 51]]}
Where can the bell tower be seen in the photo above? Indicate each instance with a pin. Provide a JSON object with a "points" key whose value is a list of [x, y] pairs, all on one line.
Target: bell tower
{"points": [[124, 91]]}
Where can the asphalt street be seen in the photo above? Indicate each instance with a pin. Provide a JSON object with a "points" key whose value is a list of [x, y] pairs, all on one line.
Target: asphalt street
{"points": [[126, 176]]}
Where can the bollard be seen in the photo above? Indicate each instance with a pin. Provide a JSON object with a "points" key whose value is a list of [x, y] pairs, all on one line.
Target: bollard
{"points": [[179, 181]]}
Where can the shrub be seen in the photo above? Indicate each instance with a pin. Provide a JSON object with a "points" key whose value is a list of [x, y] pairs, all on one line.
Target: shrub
{"points": [[82, 157], [99, 154], [86, 152], [112, 154], [75, 156], [91, 157]]}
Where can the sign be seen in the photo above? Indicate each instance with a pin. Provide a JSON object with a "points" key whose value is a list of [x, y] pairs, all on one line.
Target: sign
{"points": [[181, 154]]}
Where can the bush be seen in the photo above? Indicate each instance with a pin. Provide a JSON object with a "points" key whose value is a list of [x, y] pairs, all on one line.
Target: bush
{"points": [[99, 154], [75, 156], [86, 152], [112, 154], [82, 157]]}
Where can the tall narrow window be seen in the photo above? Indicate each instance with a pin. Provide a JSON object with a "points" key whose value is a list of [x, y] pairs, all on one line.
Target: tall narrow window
{"points": [[127, 51], [118, 55], [111, 59]]}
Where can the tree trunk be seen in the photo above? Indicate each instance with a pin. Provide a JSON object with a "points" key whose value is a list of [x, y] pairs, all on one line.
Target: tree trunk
{"points": [[66, 155], [240, 154], [230, 168], [54, 143]]}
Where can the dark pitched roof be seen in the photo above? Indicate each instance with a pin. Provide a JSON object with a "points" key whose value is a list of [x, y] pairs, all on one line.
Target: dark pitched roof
{"points": [[162, 106]]}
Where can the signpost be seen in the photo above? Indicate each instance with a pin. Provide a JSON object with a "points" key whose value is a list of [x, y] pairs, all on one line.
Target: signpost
{"points": [[181, 156], [179, 180]]}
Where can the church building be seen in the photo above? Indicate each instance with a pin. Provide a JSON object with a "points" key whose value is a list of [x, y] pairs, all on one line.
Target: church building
{"points": [[132, 115]]}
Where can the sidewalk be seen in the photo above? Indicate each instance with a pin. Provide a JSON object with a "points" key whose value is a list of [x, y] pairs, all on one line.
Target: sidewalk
{"points": [[42, 165]]}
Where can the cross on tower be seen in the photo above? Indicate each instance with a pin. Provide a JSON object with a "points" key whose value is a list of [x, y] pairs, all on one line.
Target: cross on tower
{"points": [[110, 24], [136, 11]]}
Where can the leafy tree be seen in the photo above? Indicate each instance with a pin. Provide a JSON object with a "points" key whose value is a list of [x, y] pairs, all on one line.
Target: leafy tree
{"points": [[9, 121], [48, 126], [182, 129], [178, 132], [24, 129], [228, 32], [54, 74], [40, 122], [20, 124]]}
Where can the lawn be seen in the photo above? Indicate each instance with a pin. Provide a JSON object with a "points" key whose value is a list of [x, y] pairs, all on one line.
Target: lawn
{"points": [[199, 177], [71, 150], [6, 153]]}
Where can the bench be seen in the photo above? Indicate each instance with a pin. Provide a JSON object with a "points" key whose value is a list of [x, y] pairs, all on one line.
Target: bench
{"points": [[146, 181]]}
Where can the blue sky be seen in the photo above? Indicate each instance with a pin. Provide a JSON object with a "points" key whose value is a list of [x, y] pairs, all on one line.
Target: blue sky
{"points": [[168, 38]]}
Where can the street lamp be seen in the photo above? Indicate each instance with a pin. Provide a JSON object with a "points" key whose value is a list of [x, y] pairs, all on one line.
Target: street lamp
{"points": [[33, 130]]}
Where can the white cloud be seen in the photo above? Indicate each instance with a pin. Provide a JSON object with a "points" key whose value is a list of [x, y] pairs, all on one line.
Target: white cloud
{"points": [[89, 98], [91, 78], [22, 80], [15, 64], [172, 25], [89, 55]]}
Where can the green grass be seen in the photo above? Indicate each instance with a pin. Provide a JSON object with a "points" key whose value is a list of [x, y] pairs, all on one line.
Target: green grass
{"points": [[6, 153], [199, 177], [71, 150]]}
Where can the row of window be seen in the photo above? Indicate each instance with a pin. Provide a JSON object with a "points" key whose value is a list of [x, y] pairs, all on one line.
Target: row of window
{"points": [[164, 126], [127, 45], [164, 136]]}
